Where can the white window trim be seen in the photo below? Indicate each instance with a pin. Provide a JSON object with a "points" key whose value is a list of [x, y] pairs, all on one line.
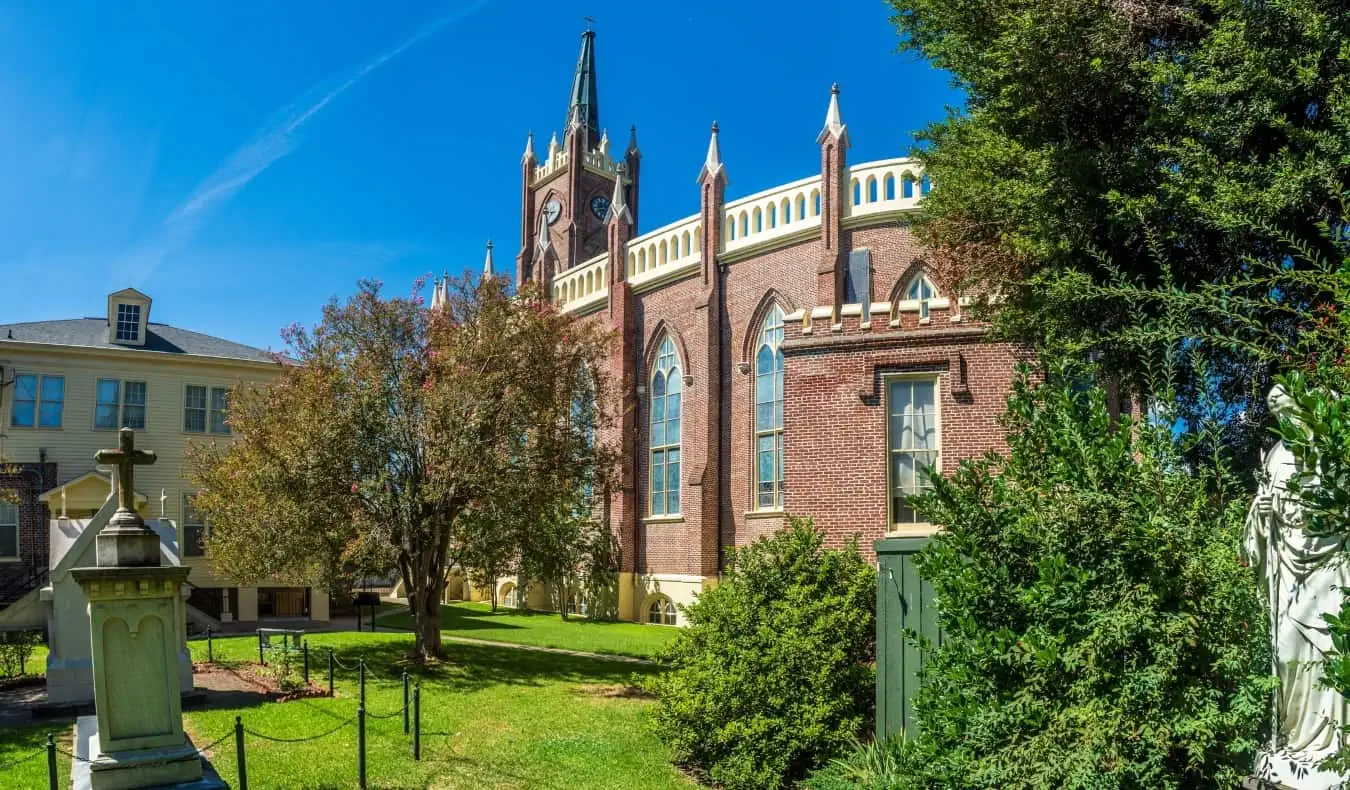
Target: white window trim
{"points": [[183, 537], [119, 406], [675, 371], [39, 378], [206, 410], [663, 601], [118, 321], [755, 432], [18, 547], [908, 527]]}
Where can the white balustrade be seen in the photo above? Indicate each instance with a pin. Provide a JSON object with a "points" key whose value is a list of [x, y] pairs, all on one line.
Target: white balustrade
{"points": [[674, 250], [554, 163], [773, 213], [888, 185], [666, 251], [582, 286]]}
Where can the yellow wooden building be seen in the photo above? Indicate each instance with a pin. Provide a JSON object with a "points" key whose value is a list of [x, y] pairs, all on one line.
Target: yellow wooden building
{"points": [[67, 387]]}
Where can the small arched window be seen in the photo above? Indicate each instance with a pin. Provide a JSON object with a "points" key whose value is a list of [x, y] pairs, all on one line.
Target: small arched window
{"points": [[769, 412], [923, 291], [661, 611], [907, 186], [664, 422], [510, 596]]}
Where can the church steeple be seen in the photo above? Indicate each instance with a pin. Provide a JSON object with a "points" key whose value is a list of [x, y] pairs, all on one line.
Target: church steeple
{"points": [[584, 110]]}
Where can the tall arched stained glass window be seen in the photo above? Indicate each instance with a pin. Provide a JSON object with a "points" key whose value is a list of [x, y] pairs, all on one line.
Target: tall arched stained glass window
{"points": [[664, 410], [769, 413]]}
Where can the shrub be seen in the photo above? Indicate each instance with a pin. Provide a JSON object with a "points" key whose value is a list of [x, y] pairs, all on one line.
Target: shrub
{"points": [[1099, 628], [877, 765], [772, 677], [15, 649]]}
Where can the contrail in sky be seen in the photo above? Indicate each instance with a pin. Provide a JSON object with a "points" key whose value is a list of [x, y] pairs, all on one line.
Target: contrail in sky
{"points": [[274, 141]]}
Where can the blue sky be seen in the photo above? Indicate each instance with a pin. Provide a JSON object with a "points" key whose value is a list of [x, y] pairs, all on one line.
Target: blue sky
{"points": [[245, 162]]}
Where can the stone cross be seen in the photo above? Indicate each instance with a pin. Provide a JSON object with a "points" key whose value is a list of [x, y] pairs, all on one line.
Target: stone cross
{"points": [[125, 458]]}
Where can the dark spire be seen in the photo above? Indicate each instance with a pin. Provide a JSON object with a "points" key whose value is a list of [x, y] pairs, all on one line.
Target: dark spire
{"points": [[584, 109]]}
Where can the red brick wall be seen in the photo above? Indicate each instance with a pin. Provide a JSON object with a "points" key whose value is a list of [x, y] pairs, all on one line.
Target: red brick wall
{"points": [[835, 416], [28, 481]]}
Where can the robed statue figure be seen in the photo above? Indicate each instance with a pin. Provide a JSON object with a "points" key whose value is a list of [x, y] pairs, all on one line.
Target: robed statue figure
{"points": [[1302, 576]]}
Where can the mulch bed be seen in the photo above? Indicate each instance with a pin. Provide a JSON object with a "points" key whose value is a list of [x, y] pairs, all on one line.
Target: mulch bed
{"points": [[249, 678]]}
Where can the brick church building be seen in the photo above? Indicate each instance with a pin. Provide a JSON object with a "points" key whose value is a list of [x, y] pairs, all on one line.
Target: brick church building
{"points": [[785, 352]]}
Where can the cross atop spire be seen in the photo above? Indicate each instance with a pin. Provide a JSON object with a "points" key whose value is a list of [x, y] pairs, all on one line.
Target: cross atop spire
{"points": [[834, 124], [632, 141], [584, 109]]}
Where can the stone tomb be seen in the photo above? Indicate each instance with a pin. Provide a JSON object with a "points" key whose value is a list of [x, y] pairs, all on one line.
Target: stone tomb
{"points": [[135, 739]]}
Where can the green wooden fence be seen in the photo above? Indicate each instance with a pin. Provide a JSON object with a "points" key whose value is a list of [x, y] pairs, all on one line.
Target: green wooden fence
{"points": [[904, 601]]}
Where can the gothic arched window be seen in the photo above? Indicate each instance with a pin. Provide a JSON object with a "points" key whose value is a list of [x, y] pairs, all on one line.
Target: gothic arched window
{"points": [[663, 401], [769, 412], [923, 291]]}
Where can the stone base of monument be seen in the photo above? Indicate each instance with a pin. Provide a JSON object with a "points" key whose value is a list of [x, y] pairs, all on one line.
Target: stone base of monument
{"points": [[178, 767]]}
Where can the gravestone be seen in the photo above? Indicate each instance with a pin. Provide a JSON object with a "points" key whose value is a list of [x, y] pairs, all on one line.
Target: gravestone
{"points": [[1302, 576], [135, 738]]}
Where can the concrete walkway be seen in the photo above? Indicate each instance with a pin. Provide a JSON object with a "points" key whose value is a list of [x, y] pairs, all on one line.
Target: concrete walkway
{"points": [[539, 648]]}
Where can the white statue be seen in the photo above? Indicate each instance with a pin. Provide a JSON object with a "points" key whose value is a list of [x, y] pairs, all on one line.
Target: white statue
{"points": [[1302, 576]]}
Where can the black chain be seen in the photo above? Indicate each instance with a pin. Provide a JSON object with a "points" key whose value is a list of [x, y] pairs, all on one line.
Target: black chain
{"points": [[387, 715], [300, 740], [21, 760], [343, 666]]}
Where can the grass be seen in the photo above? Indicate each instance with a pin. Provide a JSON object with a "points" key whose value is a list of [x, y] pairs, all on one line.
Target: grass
{"points": [[544, 629], [29, 744], [492, 717]]}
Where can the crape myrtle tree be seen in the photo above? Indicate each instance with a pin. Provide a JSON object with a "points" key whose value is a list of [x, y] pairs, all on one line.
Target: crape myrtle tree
{"points": [[1149, 141], [393, 430]]}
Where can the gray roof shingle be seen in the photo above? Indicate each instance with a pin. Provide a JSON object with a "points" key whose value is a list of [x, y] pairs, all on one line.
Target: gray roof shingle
{"points": [[160, 338]]}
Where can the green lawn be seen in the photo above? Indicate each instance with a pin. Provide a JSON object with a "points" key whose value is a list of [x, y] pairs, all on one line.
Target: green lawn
{"points": [[545, 629], [492, 717]]}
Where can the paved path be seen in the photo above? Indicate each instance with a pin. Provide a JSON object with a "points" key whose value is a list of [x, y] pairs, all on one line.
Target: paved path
{"points": [[540, 649]]}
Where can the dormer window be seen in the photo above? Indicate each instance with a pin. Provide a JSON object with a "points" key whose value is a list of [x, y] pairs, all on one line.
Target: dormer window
{"points": [[128, 317], [129, 322]]}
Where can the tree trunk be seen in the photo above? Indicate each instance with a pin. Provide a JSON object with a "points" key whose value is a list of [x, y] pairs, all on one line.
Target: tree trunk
{"points": [[425, 605]]}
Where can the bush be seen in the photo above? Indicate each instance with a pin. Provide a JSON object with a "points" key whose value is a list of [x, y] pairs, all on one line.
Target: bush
{"points": [[1099, 627], [772, 677], [878, 765], [15, 649]]}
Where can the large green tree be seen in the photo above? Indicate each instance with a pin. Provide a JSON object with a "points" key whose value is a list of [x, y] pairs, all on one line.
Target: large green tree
{"points": [[1144, 140], [394, 430]]}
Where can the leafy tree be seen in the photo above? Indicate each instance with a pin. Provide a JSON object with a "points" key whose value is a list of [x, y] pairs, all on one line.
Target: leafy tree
{"points": [[772, 677], [1099, 627], [485, 549], [1152, 138], [396, 426]]}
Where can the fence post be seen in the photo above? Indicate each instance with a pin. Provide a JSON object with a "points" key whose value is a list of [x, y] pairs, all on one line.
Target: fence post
{"points": [[210, 651], [362, 663], [305, 646], [330, 672], [261, 660], [239, 752], [51, 763], [417, 721], [405, 702], [361, 746]]}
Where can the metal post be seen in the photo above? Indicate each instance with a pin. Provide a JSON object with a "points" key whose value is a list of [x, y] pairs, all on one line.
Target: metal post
{"points": [[361, 746], [51, 763], [363, 681], [305, 647], [405, 703], [417, 721], [239, 752], [210, 651], [330, 671], [261, 660]]}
